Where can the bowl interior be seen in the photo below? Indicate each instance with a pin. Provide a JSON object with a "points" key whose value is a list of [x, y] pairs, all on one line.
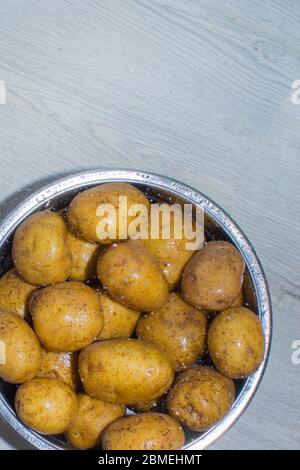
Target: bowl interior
{"points": [[217, 226]]}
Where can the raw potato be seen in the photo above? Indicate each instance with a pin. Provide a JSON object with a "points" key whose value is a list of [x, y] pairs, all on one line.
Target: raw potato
{"points": [[21, 348], [239, 301], [148, 431], [84, 257], [48, 406], [133, 276], [119, 321], [67, 317], [82, 212], [40, 251], [144, 406], [125, 371], [15, 293], [61, 366], [92, 418], [172, 253], [200, 398], [236, 342], [178, 329], [213, 277]]}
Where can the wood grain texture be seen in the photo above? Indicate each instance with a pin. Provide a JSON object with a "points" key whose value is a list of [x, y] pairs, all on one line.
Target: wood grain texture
{"points": [[196, 90]]}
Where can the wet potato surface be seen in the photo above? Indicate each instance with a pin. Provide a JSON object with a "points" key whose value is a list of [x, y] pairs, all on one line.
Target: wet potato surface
{"points": [[133, 276], [67, 316], [178, 329], [148, 431], [124, 371], [92, 418], [125, 325], [46, 405], [23, 354], [62, 366], [200, 398]]}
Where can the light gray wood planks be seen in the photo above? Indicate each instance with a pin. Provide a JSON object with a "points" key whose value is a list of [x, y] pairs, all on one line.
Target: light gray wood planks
{"points": [[197, 90]]}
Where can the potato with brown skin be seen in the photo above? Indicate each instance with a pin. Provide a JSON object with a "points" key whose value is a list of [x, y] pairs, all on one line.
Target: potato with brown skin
{"points": [[133, 277], [61, 366], [40, 250], [119, 321], [92, 418], [15, 293], [148, 431], [125, 371], [200, 398], [172, 253], [145, 406], [236, 342], [46, 405], [213, 277], [82, 211], [239, 301], [84, 257], [67, 317], [21, 349], [178, 329]]}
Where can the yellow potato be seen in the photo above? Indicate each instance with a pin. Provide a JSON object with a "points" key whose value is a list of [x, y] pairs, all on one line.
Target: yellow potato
{"points": [[15, 293], [119, 321], [21, 349], [82, 212], [148, 431], [125, 371], [84, 257], [67, 317], [144, 406], [213, 277], [178, 329], [172, 253], [239, 301], [92, 418], [61, 366], [48, 406], [133, 277], [40, 250], [200, 398], [236, 342]]}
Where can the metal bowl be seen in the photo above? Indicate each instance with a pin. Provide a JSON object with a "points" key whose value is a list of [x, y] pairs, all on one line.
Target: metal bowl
{"points": [[218, 224]]}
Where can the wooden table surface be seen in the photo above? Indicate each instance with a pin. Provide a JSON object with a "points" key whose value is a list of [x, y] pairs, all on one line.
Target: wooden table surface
{"points": [[196, 90]]}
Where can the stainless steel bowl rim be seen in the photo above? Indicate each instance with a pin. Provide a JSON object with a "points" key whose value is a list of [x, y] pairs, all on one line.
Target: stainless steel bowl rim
{"points": [[91, 178]]}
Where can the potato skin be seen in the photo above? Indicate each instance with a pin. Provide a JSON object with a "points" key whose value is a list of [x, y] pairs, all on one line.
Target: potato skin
{"points": [[178, 329], [46, 405], [236, 342], [200, 398], [67, 317], [61, 366], [239, 301], [92, 417], [82, 209], [145, 406], [40, 251], [147, 431], [213, 277], [119, 321], [84, 257], [15, 293], [125, 371], [23, 353], [171, 253], [133, 277]]}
